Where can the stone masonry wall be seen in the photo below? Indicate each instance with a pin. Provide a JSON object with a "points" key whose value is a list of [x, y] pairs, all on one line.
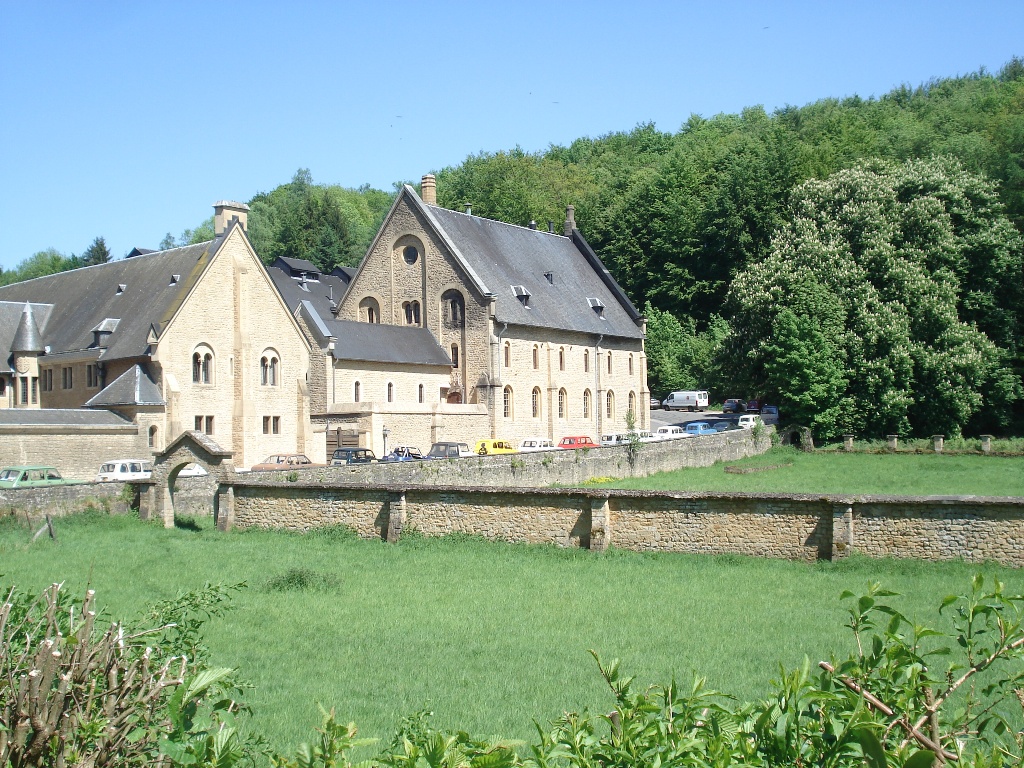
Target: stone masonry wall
{"points": [[62, 500], [76, 452]]}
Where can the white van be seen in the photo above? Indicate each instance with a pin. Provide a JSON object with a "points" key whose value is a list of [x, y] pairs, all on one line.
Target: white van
{"points": [[124, 470], [692, 401], [535, 444]]}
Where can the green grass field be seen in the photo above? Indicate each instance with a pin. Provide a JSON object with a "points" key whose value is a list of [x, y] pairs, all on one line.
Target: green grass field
{"points": [[490, 636], [850, 473]]}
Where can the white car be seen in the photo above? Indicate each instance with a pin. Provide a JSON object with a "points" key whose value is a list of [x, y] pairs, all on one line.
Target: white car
{"points": [[748, 420], [536, 444], [124, 470], [671, 432]]}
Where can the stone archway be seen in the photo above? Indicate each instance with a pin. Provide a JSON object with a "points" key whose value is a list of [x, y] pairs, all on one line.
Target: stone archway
{"points": [[189, 447], [797, 436]]}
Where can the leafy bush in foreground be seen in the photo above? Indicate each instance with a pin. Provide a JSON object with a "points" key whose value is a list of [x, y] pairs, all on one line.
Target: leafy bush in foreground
{"points": [[909, 696]]}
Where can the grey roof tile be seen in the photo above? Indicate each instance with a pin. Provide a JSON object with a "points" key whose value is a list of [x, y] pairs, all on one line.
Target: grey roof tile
{"points": [[70, 417], [10, 318], [320, 293], [27, 338], [133, 387], [379, 343]]}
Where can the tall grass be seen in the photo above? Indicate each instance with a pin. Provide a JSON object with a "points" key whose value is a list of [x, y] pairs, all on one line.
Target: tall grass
{"points": [[911, 474], [489, 635]]}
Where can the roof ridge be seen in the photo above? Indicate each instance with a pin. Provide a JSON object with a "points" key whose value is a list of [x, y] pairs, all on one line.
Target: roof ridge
{"points": [[496, 221]]}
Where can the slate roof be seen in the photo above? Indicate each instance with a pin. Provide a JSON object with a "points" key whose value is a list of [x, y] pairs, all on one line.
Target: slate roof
{"points": [[11, 313], [502, 256], [330, 287], [138, 293], [379, 343], [65, 417], [133, 387]]}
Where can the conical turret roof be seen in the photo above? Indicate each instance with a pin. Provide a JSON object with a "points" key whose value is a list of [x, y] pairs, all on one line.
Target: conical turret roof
{"points": [[27, 338]]}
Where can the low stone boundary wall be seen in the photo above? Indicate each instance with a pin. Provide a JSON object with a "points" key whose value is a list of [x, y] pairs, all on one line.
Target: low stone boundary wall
{"points": [[59, 500], [558, 467], [797, 527]]}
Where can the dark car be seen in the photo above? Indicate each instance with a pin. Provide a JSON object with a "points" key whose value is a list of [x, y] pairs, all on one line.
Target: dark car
{"points": [[345, 456], [733, 405], [404, 453], [753, 406]]}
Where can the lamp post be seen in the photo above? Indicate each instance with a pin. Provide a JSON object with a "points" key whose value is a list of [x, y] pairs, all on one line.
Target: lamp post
{"points": [[386, 432]]}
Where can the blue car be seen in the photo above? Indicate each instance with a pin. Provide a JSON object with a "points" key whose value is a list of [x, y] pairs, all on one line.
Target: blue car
{"points": [[700, 428]]}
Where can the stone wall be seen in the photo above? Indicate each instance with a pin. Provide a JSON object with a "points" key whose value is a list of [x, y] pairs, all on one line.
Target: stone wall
{"points": [[542, 469], [61, 500], [76, 451], [795, 527]]}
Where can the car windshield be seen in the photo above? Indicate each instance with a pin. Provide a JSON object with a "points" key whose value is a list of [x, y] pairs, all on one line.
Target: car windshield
{"points": [[9, 474]]}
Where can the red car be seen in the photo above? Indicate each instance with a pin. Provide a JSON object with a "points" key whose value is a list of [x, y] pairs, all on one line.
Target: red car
{"points": [[577, 441]]}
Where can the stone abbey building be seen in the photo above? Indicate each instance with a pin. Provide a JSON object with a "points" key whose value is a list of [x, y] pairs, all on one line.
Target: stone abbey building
{"points": [[454, 327]]}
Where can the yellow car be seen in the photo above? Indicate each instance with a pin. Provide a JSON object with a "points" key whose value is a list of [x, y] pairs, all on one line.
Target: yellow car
{"points": [[491, 447]]}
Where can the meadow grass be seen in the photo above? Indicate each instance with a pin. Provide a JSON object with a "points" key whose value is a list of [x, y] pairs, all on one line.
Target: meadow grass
{"points": [[490, 636], [908, 474]]}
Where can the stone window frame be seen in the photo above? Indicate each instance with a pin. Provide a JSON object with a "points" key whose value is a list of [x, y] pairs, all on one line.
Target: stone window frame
{"points": [[204, 424], [453, 308], [536, 357], [24, 390], [586, 361], [609, 362], [153, 432], [411, 312], [586, 403], [455, 355], [563, 403], [508, 403], [609, 399], [270, 368], [630, 363], [369, 310], [561, 358], [535, 402], [508, 354], [47, 380], [203, 365], [632, 403], [271, 425], [391, 391], [422, 390], [67, 377], [92, 376], [400, 250], [3, 386], [356, 393]]}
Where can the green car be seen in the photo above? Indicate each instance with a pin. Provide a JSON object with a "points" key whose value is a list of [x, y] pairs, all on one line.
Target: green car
{"points": [[30, 477]]}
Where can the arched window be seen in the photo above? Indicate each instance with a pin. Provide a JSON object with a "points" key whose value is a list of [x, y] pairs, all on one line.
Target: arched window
{"points": [[561, 403], [536, 357], [391, 392], [631, 364], [421, 393], [453, 309], [152, 436], [586, 361], [202, 365], [586, 403], [535, 402], [356, 392], [269, 365], [455, 355], [508, 355], [610, 399], [632, 405], [561, 358], [369, 310], [609, 361], [507, 403], [412, 312]]}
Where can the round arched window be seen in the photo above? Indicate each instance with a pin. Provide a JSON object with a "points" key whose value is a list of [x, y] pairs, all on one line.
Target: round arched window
{"points": [[410, 254]]}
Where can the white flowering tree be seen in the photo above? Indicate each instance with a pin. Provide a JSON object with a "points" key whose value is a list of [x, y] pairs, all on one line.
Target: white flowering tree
{"points": [[889, 303]]}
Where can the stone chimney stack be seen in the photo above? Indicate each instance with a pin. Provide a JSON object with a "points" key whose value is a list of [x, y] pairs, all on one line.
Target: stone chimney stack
{"points": [[428, 189], [570, 219], [225, 211]]}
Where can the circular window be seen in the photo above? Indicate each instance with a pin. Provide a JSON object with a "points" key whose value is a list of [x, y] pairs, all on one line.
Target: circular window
{"points": [[410, 254]]}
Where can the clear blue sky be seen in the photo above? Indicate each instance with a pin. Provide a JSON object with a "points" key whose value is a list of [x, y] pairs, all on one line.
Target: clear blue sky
{"points": [[129, 120]]}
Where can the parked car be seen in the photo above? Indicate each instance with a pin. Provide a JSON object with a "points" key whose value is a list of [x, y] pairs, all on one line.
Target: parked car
{"points": [[748, 420], [284, 461], [30, 477], [655, 403], [624, 438], [345, 456], [770, 414], [535, 444], [753, 406], [192, 470], [572, 442], [670, 432], [491, 447], [124, 470], [691, 401], [449, 450], [722, 426], [732, 405], [404, 453], [697, 428]]}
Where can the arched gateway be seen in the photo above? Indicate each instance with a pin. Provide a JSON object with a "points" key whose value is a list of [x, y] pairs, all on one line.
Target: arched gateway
{"points": [[190, 447]]}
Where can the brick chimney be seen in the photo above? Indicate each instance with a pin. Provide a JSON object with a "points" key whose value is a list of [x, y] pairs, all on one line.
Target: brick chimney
{"points": [[428, 189], [570, 219], [225, 211]]}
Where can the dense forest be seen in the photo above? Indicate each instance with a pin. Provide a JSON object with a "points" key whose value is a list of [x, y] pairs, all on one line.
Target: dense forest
{"points": [[859, 261]]}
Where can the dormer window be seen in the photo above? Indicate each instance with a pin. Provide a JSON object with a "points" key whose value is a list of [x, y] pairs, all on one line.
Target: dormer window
{"points": [[550, 277], [597, 305], [121, 288], [522, 294], [175, 279]]}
